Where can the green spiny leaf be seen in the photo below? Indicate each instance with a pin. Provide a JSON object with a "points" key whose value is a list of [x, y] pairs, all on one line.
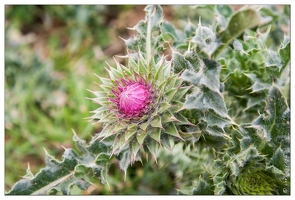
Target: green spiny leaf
{"points": [[163, 107], [171, 82], [205, 38], [167, 141], [202, 186], [236, 26], [169, 29], [80, 171], [258, 84], [278, 159], [181, 92], [159, 75], [154, 148], [180, 63], [176, 106], [214, 135], [55, 173], [276, 120], [141, 135], [171, 129], [208, 75], [134, 149], [156, 122], [125, 161], [190, 29], [154, 15], [102, 159], [192, 133], [284, 53], [213, 119], [169, 95], [204, 99], [156, 134], [131, 130], [181, 120]]}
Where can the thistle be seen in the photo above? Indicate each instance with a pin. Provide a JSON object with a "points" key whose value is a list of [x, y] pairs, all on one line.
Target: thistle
{"points": [[253, 180], [140, 107], [245, 170]]}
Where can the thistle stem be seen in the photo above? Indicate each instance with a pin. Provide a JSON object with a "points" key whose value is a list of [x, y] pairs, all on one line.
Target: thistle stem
{"points": [[148, 40]]}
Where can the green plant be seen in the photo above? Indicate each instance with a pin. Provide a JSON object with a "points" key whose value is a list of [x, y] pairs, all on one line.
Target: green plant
{"points": [[220, 107]]}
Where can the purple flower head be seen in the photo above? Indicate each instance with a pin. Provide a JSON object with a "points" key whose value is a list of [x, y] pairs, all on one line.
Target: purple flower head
{"points": [[132, 98], [141, 106]]}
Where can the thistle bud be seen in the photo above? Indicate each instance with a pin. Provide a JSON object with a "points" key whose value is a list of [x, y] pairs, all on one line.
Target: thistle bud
{"points": [[141, 107]]}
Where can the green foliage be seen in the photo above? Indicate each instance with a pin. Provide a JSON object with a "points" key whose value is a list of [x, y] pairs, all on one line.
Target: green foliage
{"points": [[222, 109], [255, 163], [236, 26], [60, 176], [148, 40]]}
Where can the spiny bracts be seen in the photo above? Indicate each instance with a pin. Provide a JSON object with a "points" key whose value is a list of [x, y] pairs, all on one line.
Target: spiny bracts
{"points": [[140, 107]]}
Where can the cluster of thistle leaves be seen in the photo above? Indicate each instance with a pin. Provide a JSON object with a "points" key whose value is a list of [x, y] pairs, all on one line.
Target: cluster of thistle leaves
{"points": [[238, 65]]}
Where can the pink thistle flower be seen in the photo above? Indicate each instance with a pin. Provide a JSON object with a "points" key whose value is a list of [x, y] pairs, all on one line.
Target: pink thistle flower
{"points": [[131, 98], [136, 107]]}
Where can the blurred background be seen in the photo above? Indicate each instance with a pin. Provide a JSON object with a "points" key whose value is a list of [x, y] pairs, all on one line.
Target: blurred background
{"points": [[51, 55]]}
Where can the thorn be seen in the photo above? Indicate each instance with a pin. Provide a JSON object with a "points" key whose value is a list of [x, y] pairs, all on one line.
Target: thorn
{"points": [[87, 118], [133, 159], [108, 65], [155, 157], [45, 151], [189, 46], [112, 154], [95, 122], [133, 29], [244, 52], [97, 83], [63, 147], [91, 183], [171, 150], [119, 56], [139, 54], [160, 143], [174, 119], [102, 138], [108, 185], [119, 151], [93, 140], [181, 138], [182, 108], [200, 21], [109, 70], [74, 132], [89, 98], [140, 161], [97, 76], [90, 91], [117, 63], [231, 120], [171, 47], [188, 20], [191, 124], [122, 39]]}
